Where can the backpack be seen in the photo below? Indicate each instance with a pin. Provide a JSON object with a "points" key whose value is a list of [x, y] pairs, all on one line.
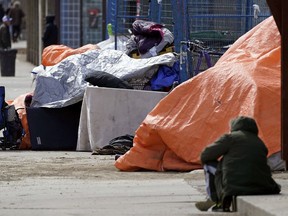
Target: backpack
{"points": [[13, 130]]}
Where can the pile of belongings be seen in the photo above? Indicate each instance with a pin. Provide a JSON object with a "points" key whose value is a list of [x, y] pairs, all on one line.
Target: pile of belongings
{"points": [[64, 83], [65, 73], [119, 145], [148, 39]]}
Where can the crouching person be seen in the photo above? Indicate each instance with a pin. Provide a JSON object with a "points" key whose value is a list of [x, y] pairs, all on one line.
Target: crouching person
{"points": [[236, 164]]}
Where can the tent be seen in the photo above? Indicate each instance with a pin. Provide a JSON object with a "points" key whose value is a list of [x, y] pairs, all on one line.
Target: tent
{"points": [[244, 81]]}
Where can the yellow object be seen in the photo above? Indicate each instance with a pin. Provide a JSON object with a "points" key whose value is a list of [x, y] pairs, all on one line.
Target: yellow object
{"points": [[165, 50], [109, 30]]}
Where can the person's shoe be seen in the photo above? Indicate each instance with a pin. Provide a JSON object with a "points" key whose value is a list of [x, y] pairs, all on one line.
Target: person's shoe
{"points": [[217, 208], [220, 208], [226, 203], [204, 205]]}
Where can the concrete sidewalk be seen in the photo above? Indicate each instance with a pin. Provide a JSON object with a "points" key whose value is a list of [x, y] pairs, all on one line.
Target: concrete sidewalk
{"points": [[77, 183]]}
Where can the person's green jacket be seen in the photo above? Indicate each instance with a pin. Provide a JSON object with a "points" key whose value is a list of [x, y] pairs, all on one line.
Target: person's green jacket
{"points": [[243, 168]]}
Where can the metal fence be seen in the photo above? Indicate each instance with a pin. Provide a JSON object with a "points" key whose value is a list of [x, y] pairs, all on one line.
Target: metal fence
{"points": [[124, 12], [216, 23], [221, 22]]}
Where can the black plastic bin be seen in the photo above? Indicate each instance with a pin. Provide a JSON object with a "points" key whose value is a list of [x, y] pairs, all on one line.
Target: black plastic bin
{"points": [[54, 129], [7, 61]]}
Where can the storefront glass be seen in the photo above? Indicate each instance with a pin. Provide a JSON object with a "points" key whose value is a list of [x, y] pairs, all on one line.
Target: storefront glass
{"points": [[92, 21], [81, 22]]}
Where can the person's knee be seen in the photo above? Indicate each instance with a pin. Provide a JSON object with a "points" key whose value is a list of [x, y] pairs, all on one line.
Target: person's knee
{"points": [[211, 167]]}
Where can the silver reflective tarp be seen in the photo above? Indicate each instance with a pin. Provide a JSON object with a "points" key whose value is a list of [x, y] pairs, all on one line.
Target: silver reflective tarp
{"points": [[63, 84]]}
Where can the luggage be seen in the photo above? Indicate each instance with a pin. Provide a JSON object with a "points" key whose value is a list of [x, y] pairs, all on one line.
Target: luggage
{"points": [[54, 129]]}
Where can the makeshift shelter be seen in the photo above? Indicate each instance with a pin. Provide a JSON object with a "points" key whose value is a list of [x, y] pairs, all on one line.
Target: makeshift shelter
{"points": [[64, 83], [245, 81]]}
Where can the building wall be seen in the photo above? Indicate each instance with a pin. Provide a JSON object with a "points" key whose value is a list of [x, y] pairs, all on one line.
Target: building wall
{"points": [[32, 31], [79, 22], [35, 11]]}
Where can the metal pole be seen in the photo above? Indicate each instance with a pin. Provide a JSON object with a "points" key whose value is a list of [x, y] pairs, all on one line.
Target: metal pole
{"points": [[40, 31], [81, 23], [46, 8], [279, 9], [284, 80], [104, 16], [248, 23]]}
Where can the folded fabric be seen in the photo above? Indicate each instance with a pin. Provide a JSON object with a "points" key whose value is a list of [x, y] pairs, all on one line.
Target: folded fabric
{"points": [[118, 145]]}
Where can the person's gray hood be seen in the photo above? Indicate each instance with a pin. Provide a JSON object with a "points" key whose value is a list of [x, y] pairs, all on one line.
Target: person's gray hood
{"points": [[245, 124]]}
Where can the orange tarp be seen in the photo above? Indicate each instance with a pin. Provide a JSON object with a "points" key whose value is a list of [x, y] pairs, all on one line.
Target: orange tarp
{"points": [[245, 81], [53, 54], [19, 104]]}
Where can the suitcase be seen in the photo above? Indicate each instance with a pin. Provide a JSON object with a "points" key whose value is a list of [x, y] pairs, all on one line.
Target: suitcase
{"points": [[54, 129]]}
